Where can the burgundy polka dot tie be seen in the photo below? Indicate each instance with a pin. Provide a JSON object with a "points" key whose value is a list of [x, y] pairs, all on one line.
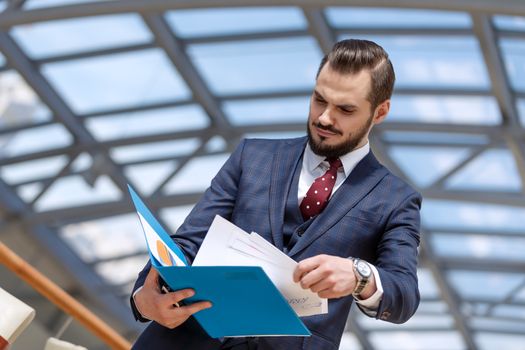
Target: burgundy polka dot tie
{"points": [[317, 196]]}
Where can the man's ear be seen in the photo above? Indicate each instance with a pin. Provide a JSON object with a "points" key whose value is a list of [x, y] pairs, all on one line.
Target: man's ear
{"points": [[381, 112]]}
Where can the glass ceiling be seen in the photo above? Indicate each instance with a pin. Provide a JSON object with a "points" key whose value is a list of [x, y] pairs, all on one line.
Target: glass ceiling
{"points": [[92, 98]]}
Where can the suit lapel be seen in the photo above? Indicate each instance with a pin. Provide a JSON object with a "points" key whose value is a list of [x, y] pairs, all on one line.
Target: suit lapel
{"points": [[284, 164], [362, 179]]}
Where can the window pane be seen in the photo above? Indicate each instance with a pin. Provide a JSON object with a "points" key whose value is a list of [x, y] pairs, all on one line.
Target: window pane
{"points": [[196, 176], [34, 140], [355, 17], [435, 61], [493, 170], [103, 238], [473, 216], [482, 110], [31, 170], [44, 39], [117, 81], [147, 177], [59, 195], [19, 105], [479, 246], [189, 23], [514, 57], [491, 341], [509, 22], [153, 150], [403, 340], [121, 271], [484, 285], [268, 111], [256, 66], [157, 121], [424, 165]]}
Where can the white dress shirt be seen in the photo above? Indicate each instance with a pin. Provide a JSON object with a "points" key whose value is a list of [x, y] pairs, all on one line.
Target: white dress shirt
{"points": [[315, 166]]}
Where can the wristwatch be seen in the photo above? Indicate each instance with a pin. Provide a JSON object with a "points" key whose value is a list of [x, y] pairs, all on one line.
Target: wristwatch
{"points": [[362, 272]]}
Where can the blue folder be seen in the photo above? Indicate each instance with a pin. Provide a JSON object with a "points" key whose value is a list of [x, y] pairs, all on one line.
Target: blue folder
{"points": [[245, 301]]}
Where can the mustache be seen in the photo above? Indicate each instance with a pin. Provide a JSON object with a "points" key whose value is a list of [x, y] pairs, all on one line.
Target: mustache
{"points": [[327, 128]]}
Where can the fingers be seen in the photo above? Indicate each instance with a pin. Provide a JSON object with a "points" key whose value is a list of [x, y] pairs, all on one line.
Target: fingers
{"points": [[305, 266]]}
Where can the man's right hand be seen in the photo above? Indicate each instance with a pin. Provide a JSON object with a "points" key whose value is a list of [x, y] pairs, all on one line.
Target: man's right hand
{"points": [[161, 308]]}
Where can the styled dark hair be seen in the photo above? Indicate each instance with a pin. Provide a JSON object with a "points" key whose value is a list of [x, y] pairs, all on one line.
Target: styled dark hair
{"points": [[352, 56]]}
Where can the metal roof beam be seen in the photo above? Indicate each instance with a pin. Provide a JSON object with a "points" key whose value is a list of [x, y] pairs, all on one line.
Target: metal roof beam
{"points": [[509, 7], [175, 51]]}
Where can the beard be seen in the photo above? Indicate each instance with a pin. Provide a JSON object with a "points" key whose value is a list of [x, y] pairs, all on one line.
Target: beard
{"points": [[335, 151]]}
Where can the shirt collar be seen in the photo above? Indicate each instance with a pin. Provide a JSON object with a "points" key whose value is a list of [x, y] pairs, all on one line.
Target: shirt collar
{"points": [[349, 160]]}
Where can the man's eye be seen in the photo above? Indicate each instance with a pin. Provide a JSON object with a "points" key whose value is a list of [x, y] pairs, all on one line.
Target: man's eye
{"points": [[321, 101], [347, 111]]}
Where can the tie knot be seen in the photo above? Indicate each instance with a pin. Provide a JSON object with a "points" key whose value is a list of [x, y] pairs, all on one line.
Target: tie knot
{"points": [[335, 163]]}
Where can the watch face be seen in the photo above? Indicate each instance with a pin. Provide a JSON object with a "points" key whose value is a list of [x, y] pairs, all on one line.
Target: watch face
{"points": [[364, 269]]}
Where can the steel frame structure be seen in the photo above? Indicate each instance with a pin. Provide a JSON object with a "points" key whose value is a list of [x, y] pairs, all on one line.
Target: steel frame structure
{"points": [[40, 225]]}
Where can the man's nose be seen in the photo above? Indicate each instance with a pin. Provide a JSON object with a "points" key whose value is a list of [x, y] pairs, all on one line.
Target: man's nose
{"points": [[325, 118]]}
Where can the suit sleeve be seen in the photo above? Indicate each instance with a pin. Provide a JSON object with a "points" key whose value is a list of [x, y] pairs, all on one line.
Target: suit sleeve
{"points": [[218, 199], [397, 262]]}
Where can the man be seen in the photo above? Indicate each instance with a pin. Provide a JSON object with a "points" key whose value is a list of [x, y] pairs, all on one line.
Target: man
{"points": [[324, 200]]}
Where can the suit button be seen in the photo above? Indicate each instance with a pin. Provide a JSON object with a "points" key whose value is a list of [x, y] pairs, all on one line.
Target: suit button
{"points": [[300, 232], [385, 315]]}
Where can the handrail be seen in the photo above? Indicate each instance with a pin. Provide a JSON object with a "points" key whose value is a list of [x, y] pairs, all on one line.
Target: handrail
{"points": [[61, 299]]}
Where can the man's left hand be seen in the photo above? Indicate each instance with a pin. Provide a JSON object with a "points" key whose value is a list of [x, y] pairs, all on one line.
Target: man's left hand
{"points": [[328, 276]]}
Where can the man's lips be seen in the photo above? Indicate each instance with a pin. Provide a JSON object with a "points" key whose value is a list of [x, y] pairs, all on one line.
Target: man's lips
{"points": [[324, 133]]}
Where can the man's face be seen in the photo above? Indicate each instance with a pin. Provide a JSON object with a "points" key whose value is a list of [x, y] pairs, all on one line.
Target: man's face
{"points": [[340, 116]]}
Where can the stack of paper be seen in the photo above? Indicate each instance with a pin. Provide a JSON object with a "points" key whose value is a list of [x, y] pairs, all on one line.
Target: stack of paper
{"points": [[228, 245]]}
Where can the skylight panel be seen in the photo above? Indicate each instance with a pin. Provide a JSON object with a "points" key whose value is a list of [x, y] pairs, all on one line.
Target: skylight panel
{"points": [[493, 170], [514, 56], [149, 122], [474, 110], [117, 81], [147, 177], [490, 286], [424, 165], [473, 216], [154, 150], [268, 111], [33, 169], [474, 246], [33, 140], [73, 191], [19, 104], [258, 66], [428, 340], [67, 36], [358, 17], [102, 238], [509, 22], [224, 21], [491, 341], [196, 175]]}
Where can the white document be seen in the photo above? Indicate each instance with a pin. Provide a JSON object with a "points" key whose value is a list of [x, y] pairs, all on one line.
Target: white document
{"points": [[228, 245]]}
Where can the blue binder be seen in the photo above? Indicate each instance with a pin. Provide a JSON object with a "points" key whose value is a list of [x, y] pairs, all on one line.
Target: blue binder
{"points": [[245, 301]]}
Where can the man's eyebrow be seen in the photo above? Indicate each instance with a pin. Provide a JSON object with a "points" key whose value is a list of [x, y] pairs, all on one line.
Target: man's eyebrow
{"points": [[349, 107]]}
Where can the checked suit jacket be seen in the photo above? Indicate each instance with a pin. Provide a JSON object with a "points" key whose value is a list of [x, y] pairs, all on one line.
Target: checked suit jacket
{"points": [[373, 216]]}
